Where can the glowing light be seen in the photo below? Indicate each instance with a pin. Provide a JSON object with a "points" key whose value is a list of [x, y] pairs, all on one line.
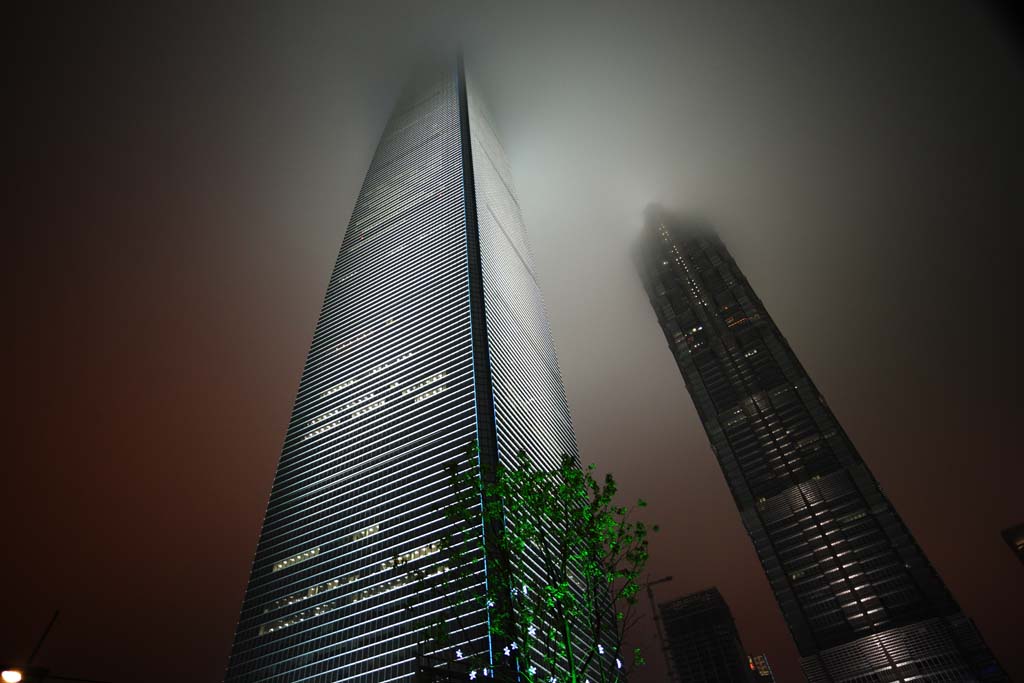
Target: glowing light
{"points": [[11, 676], [458, 654]]}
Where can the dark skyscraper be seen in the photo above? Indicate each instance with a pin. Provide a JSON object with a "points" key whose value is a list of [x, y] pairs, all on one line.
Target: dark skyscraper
{"points": [[860, 597], [432, 334], [703, 644]]}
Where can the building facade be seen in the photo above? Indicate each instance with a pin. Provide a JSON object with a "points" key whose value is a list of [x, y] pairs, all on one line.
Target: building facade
{"points": [[860, 598], [432, 334], [702, 641]]}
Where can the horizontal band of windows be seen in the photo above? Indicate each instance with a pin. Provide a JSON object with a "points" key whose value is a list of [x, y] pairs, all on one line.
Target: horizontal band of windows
{"points": [[298, 449], [398, 299], [359, 614], [445, 213], [420, 207], [400, 417], [283, 500], [356, 570], [447, 216], [331, 517], [437, 326], [390, 468], [380, 380], [395, 198], [359, 275], [405, 307], [408, 136], [355, 241], [408, 431], [429, 344], [393, 471], [353, 577], [474, 621]]}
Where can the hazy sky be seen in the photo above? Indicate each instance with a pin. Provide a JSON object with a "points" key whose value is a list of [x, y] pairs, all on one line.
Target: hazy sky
{"points": [[183, 178]]}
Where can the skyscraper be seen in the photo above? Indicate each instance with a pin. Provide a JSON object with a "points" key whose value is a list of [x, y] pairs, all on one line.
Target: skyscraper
{"points": [[703, 643], [858, 594], [432, 334]]}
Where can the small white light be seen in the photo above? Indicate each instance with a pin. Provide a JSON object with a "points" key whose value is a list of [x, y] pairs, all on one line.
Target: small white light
{"points": [[11, 676]]}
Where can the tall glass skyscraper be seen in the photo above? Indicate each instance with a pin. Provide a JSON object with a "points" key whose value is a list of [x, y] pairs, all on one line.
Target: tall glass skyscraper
{"points": [[860, 598], [432, 334]]}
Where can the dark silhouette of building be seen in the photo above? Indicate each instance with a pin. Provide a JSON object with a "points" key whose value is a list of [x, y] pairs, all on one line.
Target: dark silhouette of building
{"points": [[432, 334], [702, 641], [1014, 537], [860, 598]]}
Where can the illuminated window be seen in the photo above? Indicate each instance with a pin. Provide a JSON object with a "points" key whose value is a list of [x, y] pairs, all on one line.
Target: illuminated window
{"points": [[427, 394], [423, 383], [368, 408], [405, 558], [321, 430], [395, 584], [296, 559], [338, 387], [363, 533], [297, 617]]}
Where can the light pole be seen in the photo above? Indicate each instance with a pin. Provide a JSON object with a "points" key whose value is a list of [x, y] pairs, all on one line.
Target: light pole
{"points": [[35, 674]]}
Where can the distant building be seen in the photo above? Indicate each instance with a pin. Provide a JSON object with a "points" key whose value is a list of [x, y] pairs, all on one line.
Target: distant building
{"points": [[703, 643], [1014, 537], [860, 598], [762, 672]]}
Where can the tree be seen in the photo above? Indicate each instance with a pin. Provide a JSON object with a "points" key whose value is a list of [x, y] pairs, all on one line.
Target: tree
{"points": [[563, 566]]}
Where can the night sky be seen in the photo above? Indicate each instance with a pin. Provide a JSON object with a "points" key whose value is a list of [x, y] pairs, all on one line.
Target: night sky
{"points": [[182, 181]]}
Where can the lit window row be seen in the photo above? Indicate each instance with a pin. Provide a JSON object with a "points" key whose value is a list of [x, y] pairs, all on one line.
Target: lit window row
{"points": [[356, 401], [328, 414], [423, 383], [396, 583], [363, 533], [315, 590], [321, 430], [404, 558], [354, 340], [750, 353], [298, 617], [359, 337], [295, 559], [304, 595], [852, 517], [433, 392], [366, 409], [338, 387], [384, 366]]}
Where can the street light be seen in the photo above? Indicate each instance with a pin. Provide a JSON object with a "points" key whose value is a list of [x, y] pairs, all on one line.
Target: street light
{"points": [[11, 676]]}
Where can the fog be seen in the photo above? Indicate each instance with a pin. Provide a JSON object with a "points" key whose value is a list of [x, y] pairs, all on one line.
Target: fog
{"points": [[184, 177]]}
